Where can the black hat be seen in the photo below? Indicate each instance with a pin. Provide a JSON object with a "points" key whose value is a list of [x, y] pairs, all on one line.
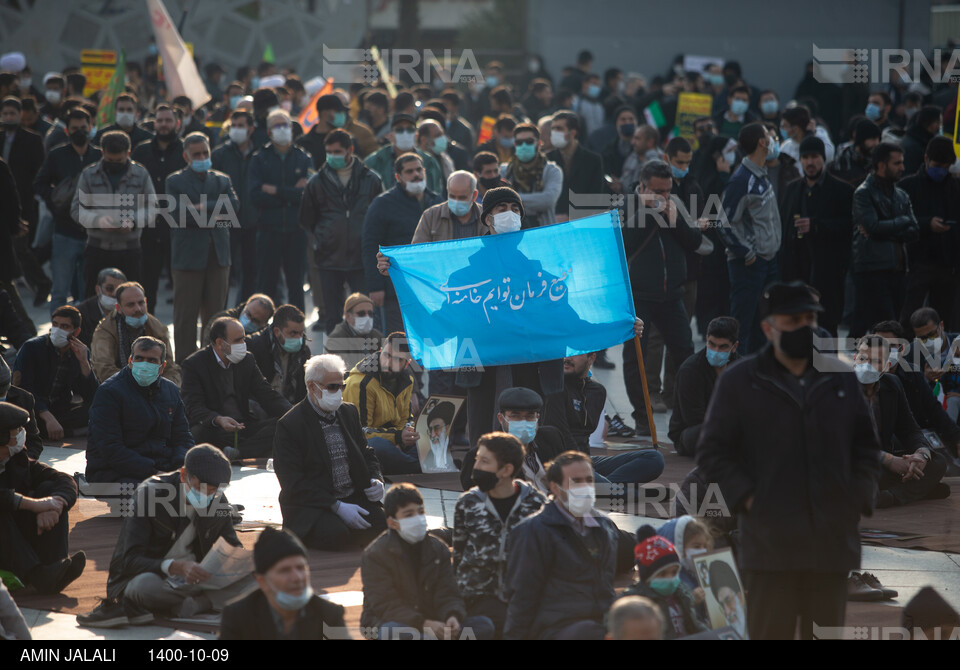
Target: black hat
{"points": [[812, 145], [264, 99], [788, 298], [330, 101], [621, 109], [401, 118], [521, 399], [273, 546], [208, 464], [866, 130], [12, 416], [494, 197], [444, 410]]}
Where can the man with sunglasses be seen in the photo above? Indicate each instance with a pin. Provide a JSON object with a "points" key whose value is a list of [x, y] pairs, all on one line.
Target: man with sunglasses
{"points": [[381, 387]]}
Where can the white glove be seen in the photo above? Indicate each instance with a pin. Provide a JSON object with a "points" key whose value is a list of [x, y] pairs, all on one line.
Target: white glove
{"points": [[375, 492], [352, 515]]}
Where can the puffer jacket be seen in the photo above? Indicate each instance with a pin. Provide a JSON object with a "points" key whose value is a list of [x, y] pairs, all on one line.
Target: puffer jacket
{"points": [[382, 413], [480, 539], [884, 212], [334, 214], [278, 212]]}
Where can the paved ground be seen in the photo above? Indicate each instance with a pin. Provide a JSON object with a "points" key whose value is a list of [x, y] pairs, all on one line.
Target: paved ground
{"points": [[902, 569]]}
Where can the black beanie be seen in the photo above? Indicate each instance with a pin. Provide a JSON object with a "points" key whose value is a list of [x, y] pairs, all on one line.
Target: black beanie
{"points": [[273, 546], [494, 197], [866, 130], [812, 145]]}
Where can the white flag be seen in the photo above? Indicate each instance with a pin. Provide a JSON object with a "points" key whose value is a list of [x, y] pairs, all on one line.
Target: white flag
{"points": [[179, 70]]}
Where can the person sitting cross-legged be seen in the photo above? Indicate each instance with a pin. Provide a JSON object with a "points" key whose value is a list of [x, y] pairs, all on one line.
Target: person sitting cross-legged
{"points": [[138, 426], [330, 481], [381, 387], [281, 352], [409, 590]]}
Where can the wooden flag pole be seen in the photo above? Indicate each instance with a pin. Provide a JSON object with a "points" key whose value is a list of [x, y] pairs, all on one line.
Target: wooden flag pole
{"points": [[646, 391]]}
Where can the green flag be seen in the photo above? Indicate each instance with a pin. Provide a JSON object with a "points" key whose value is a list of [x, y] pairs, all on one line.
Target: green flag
{"points": [[107, 112], [268, 56], [654, 115]]}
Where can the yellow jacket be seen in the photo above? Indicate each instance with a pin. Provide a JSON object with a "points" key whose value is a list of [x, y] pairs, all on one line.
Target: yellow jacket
{"points": [[382, 414]]}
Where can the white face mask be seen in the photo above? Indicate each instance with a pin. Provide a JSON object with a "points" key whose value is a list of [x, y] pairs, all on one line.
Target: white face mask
{"points": [[691, 553], [282, 136], [329, 402], [59, 337], [506, 222], [125, 119], [25, 84], [363, 324], [413, 529], [558, 139], [403, 140], [238, 135], [580, 499], [286, 105], [237, 352], [21, 441], [109, 303], [53, 97], [415, 187]]}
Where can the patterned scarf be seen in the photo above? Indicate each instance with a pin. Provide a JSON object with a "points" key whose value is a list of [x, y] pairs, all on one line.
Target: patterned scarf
{"points": [[527, 177]]}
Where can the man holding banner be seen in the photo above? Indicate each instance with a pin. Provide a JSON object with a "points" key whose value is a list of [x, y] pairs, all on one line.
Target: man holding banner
{"points": [[503, 309]]}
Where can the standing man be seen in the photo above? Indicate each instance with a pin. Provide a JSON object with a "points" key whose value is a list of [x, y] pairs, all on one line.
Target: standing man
{"points": [[402, 141], [162, 156], [752, 231], [884, 224], [335, 202], [278, 175], [582, 168], [200, 245], [800, 496], [538, 180], [126, 115]]}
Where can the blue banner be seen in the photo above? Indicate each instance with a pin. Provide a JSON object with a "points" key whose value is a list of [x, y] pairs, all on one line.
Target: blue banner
{"points": [[522, 297]]}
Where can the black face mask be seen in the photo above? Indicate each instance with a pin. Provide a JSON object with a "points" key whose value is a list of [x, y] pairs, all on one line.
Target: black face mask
{"points": [[797, 344], [167, 137], [490, 182], [10, 126], [484, 480], [111, 167], [79, 138], [730, 79]]}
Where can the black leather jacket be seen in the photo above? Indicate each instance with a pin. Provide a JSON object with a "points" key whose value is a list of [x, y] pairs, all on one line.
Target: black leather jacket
{"points": [[885, 214]]}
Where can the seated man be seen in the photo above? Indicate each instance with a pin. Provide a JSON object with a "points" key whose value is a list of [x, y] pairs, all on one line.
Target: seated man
{"points": [[354, 338], [578, 410], [409, 591], [102, 303], [34, 499], [177, 518], [281, 351], [927, 411], [911, 470], [939, 352], [695, 381], [138, 427], [24, 400], [219, 383], [484, 517], [561, 562], [330, 481], [56, 368], [381, 387], [285, 606], [520, 416], [253, 315], [118, 329]]}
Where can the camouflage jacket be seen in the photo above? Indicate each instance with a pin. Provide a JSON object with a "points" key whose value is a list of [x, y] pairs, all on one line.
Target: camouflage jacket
{"points": [[480, 539]]}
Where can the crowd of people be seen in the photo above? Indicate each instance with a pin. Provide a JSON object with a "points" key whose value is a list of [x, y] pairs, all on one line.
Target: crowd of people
{"points": [[770, 226]]}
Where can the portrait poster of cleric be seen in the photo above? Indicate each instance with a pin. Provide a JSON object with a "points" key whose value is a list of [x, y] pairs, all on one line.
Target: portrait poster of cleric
{"points": [[725, 597]]}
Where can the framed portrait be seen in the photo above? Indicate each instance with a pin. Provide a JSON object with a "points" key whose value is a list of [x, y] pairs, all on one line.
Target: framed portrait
{"points": [[725, 597], [434, 425]]}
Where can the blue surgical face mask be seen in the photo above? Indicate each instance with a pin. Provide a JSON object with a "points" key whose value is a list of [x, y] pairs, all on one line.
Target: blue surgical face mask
{"points": [[248, 325], [440, 144], [938, 174], [665, 587], [525, 152], [201, 165], [234, 101], [459, 207], [339, 119], [493, 81], [593, 91], [506, 142], [199, 500], [255, 83], [739, 107], [730, 157], [773, 151], [678, 173], [872, 111], [294, 603], [292, 344], [145, 373], [769, 107], [717, 359], [715, 79], [336, 162], [524, 431], [135, 321]]}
